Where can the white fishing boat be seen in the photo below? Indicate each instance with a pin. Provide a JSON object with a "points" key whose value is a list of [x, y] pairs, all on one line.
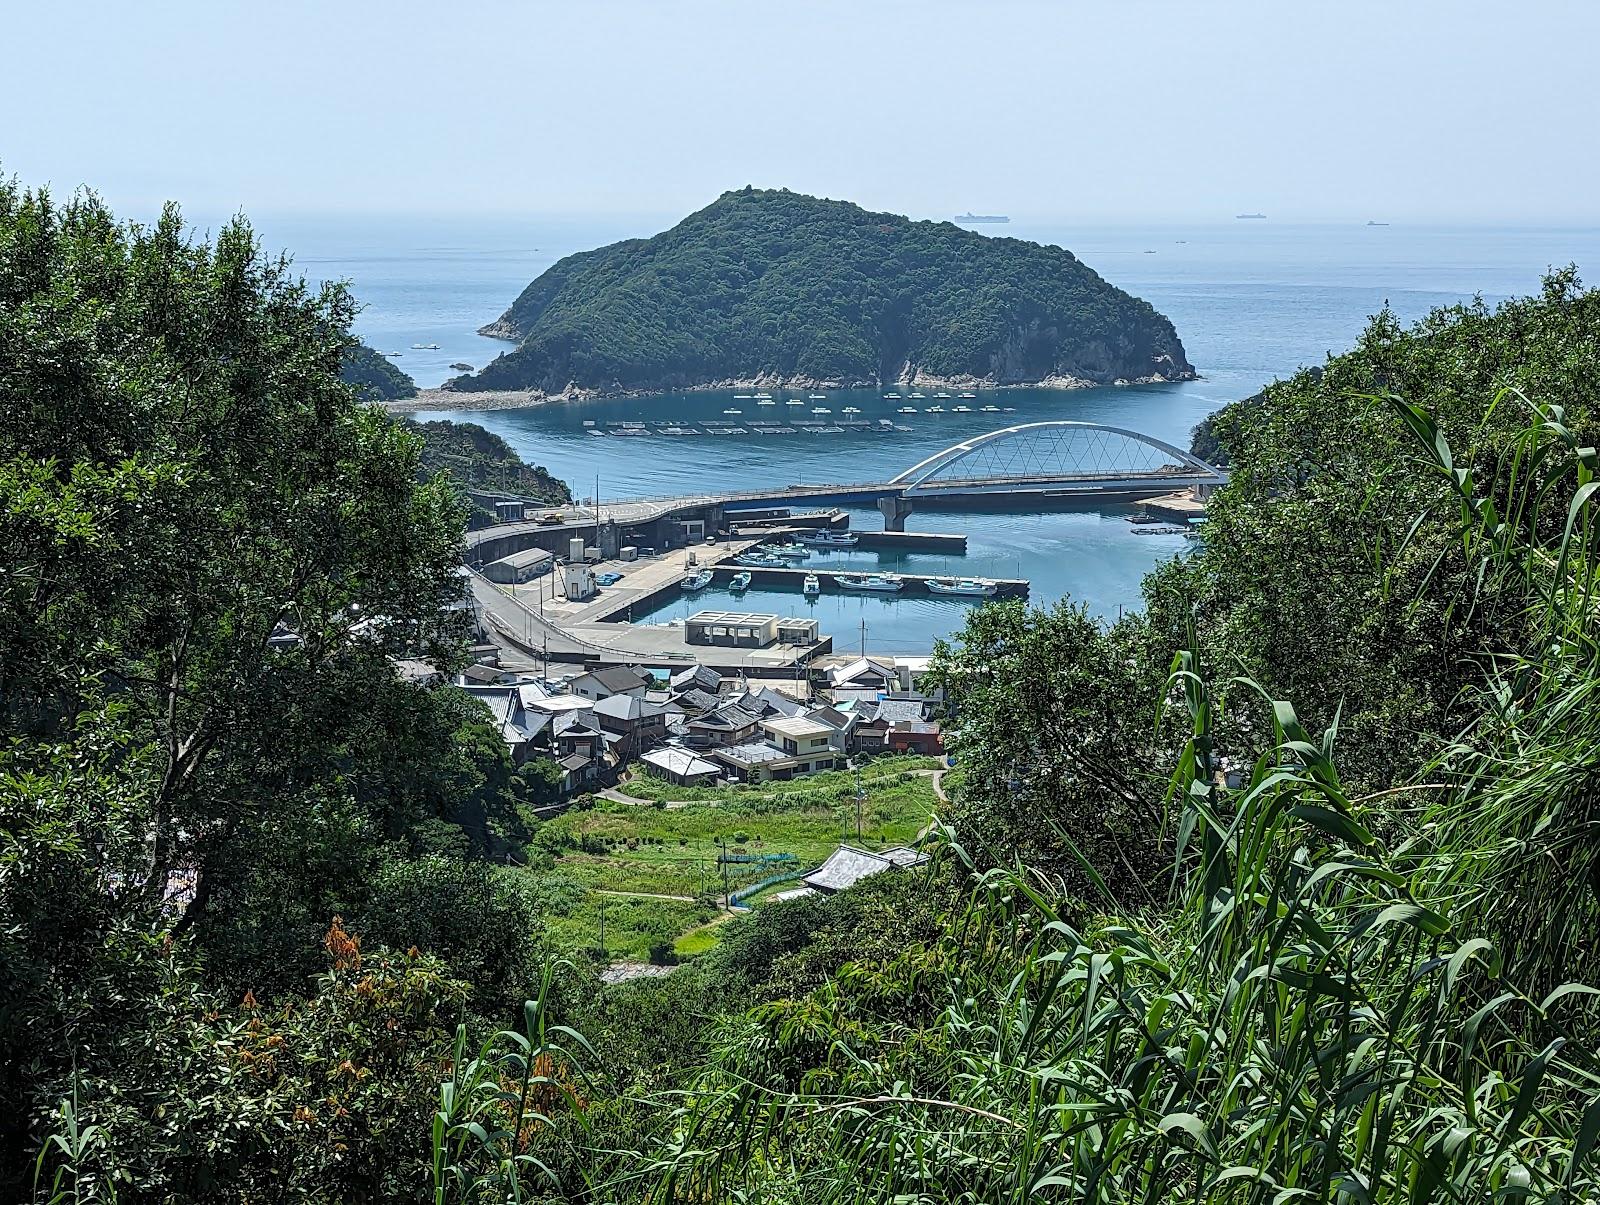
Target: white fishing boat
{"points": [[820, 410], [941, 393], [961, 585], [758, 560], [766, 402], [789, 552], [850, 410], [918, 395], [1010, 410], [794, 401], [990, 409], [828, 539], [740, 583], [935, 409], [424, 347], [730, 410], [962, 410], [969, 397], [874, 582], [907, 410], [819, 397], [742, 397], [891, 397], [812, 587], [698, 580], [762, 395]]}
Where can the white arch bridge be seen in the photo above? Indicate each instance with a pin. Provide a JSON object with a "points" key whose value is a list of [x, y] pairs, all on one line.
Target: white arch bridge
{"points": [[1050, 461], [1061, 459]]}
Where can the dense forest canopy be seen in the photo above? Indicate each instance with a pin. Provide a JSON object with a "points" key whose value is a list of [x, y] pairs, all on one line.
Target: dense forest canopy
{"points": [[777, 286], [1284, 889]]}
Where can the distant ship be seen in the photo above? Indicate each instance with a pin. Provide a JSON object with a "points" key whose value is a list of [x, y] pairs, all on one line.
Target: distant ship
{"points": [[981, 217], [1250, 217], [1371, 223]]}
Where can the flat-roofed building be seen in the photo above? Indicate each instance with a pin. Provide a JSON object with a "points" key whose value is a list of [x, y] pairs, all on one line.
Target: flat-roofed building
{"points": [[801, 736], [519, 566], [735, 629]]}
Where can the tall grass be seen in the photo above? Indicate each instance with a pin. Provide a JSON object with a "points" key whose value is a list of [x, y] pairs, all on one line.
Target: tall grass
{"points": [[1321, 1015]]}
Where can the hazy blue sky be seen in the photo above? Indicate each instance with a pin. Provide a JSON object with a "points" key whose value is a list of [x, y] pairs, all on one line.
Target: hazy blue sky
{"points": [[1133, 109]]}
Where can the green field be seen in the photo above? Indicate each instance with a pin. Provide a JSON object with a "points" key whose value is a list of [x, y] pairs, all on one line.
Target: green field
{"points": [[673, 851]]}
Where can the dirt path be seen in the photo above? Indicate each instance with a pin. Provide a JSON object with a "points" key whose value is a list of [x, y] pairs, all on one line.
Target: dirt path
{"points": [[644, 895]]}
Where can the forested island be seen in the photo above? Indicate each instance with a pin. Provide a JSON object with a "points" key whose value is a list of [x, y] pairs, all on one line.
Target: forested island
{"points": [[1284, 887], [771, 287]]}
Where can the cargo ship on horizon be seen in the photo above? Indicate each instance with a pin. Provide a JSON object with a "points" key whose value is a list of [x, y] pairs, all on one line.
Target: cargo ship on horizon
{"points": [[981, 217]]}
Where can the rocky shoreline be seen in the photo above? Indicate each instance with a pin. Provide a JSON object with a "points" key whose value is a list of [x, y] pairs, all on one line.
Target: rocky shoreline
{"points": [[516, 399]]}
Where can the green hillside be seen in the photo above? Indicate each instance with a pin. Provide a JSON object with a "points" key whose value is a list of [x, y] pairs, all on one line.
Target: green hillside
{"points": [[372, 373], [776, 286]]}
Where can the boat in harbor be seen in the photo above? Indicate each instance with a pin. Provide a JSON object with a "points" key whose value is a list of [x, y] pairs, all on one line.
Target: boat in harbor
{"points": [[874, 582], [730, 410], [424, 347], [698, 580], [742, 397], [594, 431], [908, 410], [788, 552], [819, 397], [820, 410], [962, 410], [935, 409], [990, 409], [759, 560], [762, 395], [941, 393], [970, 397], [740, 582], [766, 402], [961, 585], [813, 587], [851, 410], [917, 396], [829, 539], [794, 401]]}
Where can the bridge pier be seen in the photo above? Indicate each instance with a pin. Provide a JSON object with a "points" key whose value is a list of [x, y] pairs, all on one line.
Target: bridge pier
{"points": [[894, 508]]}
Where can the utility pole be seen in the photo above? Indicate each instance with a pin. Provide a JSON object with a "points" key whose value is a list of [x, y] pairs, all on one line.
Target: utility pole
{"points": [[722, 843], [602, 925], [860, 796], [863, 636]]}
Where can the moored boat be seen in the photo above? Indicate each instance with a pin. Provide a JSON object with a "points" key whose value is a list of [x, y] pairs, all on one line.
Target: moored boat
{"points": [[908, 410], [962, 410], [730, 410], [812, 587], [961, 585], [698, 580], [789, 552], [875, 582], [828, 539], [740, 582]]}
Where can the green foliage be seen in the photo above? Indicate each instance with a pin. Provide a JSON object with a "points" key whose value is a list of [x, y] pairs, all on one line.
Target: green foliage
{"points": [[774, 283], [1311, 578], [1053, 736], [474, 458], [375, 377]]}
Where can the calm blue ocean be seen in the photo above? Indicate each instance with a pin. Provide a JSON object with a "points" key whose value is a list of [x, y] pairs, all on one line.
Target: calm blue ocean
{"points": [[1252, 301]]}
